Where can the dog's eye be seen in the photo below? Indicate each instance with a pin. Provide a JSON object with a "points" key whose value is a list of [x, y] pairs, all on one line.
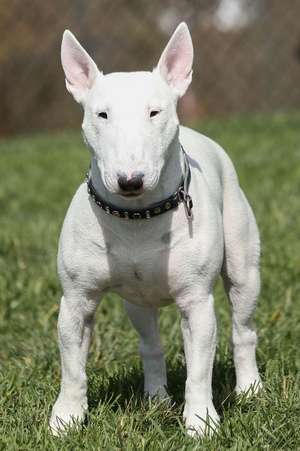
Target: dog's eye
{"points": [[154, 113], [102, 114]]}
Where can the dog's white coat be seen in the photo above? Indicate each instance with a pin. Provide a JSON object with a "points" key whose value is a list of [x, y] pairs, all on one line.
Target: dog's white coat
{"points": [[152, 263]]}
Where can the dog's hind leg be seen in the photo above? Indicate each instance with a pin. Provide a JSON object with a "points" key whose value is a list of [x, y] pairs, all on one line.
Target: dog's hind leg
{"points": [[242, 283], [75, 324], [145, 321]]}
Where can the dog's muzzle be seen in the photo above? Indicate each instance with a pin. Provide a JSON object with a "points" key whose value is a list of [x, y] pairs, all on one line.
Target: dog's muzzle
{"points": [[134, 185]]}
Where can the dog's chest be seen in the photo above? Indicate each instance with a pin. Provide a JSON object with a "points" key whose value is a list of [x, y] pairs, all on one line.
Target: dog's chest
{"points": [[141, 267]]}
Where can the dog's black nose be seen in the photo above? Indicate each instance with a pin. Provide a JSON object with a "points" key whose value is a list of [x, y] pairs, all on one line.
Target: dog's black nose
{"points": [[134, 183]]}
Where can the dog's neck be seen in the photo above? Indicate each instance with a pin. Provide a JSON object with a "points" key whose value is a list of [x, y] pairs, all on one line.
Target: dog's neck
{"points": [[170, 178]]}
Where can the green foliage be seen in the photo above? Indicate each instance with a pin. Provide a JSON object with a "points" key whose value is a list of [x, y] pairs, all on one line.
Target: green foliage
{"points": [[38, 176]]}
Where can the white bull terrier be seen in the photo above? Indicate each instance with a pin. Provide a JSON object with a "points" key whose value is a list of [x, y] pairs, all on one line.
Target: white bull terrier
{"points": [[131, 230]]}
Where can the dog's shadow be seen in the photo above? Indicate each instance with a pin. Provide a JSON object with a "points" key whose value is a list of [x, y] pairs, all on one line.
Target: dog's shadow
{"points": [[122, 390], [118, 390]]}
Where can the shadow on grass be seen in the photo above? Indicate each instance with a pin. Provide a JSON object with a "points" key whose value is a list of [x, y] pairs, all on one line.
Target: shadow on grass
{"points": [[223, 384], [121, 389], [117, 390]]}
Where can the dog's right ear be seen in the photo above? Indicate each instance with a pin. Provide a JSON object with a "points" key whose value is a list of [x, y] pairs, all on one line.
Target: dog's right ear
{"points": [[80, 70]]}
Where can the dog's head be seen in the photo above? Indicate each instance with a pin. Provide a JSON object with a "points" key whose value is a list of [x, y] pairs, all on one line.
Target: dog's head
{"points": [[130, 119]]}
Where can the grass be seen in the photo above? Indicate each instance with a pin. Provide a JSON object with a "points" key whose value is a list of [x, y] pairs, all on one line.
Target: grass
{"points": [[38, 177]]}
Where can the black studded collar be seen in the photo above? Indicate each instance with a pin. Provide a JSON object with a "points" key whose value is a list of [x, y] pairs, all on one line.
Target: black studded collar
{"points": [[155, 209]]}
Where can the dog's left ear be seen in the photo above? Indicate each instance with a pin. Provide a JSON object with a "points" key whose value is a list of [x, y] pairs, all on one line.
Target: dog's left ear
{"points": [[176, 61]]}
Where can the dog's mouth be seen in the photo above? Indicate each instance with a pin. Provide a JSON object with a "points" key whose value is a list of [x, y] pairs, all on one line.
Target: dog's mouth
{"points": [[131, 194]]}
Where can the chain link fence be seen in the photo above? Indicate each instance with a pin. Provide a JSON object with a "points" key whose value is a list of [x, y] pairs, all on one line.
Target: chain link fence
{"points": [[247, 54]]}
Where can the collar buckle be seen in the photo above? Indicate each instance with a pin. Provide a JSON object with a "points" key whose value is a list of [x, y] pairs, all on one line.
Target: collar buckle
{"points": [[187, 202]]}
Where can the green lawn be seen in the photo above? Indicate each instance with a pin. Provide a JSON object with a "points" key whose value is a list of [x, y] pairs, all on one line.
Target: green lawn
{"points": [[38, 176]]}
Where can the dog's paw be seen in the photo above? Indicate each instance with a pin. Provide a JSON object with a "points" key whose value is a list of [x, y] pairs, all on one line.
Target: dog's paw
{"points": [[200, 421], [65, 415], [158, 394], [249, 386]]}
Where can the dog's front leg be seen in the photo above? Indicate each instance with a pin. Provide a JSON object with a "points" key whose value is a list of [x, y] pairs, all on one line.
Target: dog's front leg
{"points": [[74, 333], [199, 333]]}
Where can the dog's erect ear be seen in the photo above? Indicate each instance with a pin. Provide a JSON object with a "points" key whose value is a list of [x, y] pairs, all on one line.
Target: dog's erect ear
{"points": [[176, 61], [80, 70]]}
